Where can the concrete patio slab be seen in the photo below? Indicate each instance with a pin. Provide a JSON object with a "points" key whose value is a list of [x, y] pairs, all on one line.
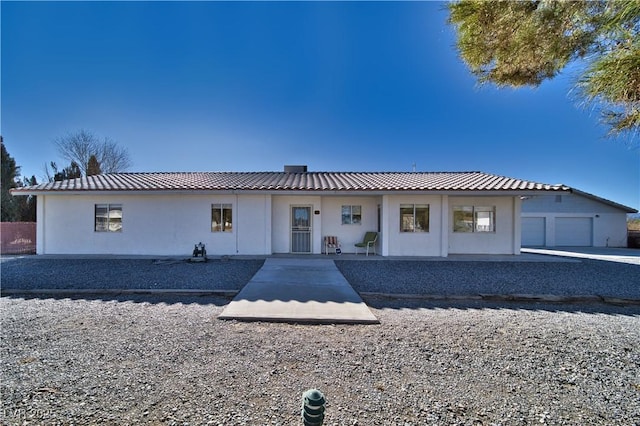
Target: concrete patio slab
{"points": [[299, 290]]}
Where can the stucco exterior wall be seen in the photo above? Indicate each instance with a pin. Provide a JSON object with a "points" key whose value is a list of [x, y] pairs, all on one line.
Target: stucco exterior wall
{"points": [[350, 234], [170, 224], [610, 230], [281, 221], [505, 239], [253, 224], [413, 243], [565, 203], [152, 225]]}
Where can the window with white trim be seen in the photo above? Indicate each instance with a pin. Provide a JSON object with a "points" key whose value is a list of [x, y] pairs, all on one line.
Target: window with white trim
{"points": [[221, 218], [474, 219], [351, 215], [414, 217], [108, 218]]}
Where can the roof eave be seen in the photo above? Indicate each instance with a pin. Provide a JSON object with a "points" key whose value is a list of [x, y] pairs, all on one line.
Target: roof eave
{"points": [[290, 191], [626, 209]]}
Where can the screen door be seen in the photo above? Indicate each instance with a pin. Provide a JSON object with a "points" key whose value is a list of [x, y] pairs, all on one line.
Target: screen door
{"points": [[300, 229]]}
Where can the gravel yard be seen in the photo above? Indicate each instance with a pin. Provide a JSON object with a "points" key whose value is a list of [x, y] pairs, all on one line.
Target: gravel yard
{"points": [[449, 278], [570, 278], [151, 360], [32, 272], [166, 359]]}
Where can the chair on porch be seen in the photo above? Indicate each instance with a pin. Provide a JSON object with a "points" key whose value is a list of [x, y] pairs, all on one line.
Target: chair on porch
{"points": [[370, 239], [331, 242]]}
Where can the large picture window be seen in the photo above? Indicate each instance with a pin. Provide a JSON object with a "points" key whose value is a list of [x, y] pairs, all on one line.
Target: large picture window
{"points": [[108, 218], [414, 218], [221, 218], [474, 219], [351, 215]]}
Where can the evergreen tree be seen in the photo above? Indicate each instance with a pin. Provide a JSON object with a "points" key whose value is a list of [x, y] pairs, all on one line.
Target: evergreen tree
{"points": [[27, 206], [70, 172], [9, 173], [524, 42], [93, 166]]}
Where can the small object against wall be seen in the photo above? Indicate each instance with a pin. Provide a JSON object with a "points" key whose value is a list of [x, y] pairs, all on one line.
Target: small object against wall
{"points": [[199, 253]]}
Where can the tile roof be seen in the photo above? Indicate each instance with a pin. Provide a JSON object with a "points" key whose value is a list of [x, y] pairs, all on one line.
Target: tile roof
{"points": [[283, 181]]}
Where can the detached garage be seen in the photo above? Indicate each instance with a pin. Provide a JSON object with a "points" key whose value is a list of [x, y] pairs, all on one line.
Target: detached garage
{"points": [[576, 219]]}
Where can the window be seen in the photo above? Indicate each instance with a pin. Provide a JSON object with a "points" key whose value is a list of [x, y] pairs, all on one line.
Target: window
{"points": [[351, 215], [474, 219], [484, 219], [414, 218], [221, 218], [108, 218]]}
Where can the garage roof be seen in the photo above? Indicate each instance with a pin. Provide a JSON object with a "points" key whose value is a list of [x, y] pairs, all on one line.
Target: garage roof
{"points": [[604, 200]]}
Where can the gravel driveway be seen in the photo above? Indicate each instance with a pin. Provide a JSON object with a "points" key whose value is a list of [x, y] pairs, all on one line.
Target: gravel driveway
{"points": [[167, 360]]}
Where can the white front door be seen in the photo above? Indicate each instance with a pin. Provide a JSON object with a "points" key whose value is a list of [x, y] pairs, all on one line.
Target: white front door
{"points": [[300, 229]]}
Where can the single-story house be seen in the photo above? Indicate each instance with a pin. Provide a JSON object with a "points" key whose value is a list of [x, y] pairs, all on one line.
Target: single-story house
{"points": [[263, 213], [575, 219]]}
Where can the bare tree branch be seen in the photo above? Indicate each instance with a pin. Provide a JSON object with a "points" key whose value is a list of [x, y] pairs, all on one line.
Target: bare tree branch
{"points": [[78, 147], [112, 157]]}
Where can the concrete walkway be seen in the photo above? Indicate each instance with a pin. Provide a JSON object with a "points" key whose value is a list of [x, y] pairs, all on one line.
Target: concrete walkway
{"points": [[610, 254], [299, 290]]}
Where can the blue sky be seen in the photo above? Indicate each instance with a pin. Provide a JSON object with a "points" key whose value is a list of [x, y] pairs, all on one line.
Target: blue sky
{"points": [[243, 86]]}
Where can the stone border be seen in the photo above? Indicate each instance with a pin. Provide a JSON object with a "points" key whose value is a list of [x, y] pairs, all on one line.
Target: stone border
{"points": [[548, 298], [115, 292]]}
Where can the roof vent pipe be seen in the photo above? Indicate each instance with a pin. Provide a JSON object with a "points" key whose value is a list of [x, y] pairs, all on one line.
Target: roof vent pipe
{"points": [[295, 169]]}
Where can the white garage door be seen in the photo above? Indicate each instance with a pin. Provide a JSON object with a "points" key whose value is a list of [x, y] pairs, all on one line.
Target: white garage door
{"points": [[574, 231], [533, 231]]}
